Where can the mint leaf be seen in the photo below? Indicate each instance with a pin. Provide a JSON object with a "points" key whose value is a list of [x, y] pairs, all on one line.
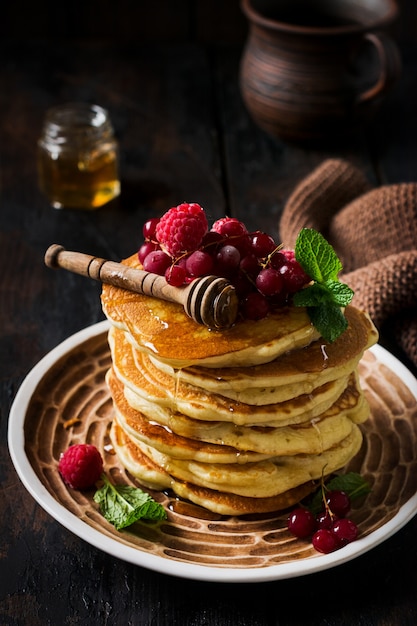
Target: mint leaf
{"points": [[341, 293], [331, 292], [351, 483], [329, 320], [316, 256], [313, 295], [122, 505], [326, 295]]}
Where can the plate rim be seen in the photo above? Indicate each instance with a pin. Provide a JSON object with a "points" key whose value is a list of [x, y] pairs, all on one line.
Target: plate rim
{"points": [[158, 563]]}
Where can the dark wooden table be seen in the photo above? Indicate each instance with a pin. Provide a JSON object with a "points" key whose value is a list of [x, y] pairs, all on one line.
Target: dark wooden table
{"points": [[184, 135]]}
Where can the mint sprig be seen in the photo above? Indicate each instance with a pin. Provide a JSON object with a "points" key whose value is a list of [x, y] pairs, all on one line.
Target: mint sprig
{"points": [[123, 505], [326, 295], [353, 484]]}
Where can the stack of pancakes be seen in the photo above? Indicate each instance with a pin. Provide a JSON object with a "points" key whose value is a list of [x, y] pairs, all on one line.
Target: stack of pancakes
{"points": [[243, 420]]}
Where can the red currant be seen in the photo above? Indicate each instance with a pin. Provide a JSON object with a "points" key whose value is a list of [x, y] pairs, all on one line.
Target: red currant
{"points": [[277, 260], [345, 531], [242, 284], [262, 244], [145, 249], [264, 276], [269, 282], [210, 241], [325, 541], [325, 519], [255, 306], [199, 263], [294, 276], [250, 265], [227, 260], [175, 275], [301, 523], [149, 228], [243, 244], [338, 502], [157, 262]]}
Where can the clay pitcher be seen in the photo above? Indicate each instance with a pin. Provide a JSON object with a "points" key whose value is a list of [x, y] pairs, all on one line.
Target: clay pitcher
{"points": [[313, 70]]}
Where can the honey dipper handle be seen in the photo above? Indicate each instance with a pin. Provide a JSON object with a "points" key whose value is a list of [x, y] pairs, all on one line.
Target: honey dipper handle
{"points": [[209, 300]]}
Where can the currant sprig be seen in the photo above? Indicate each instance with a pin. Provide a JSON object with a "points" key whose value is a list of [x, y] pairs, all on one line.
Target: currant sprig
{"points": [[324, 519]]}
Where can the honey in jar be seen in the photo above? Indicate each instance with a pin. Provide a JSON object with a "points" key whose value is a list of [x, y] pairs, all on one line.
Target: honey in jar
{"points": [[78, 157]]}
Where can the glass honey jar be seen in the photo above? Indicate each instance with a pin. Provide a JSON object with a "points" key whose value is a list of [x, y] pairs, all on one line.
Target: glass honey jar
{"points": [[78, 157]]}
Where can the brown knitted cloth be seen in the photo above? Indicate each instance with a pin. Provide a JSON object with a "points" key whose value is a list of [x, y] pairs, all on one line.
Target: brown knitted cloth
{"points": [[374, 232]]}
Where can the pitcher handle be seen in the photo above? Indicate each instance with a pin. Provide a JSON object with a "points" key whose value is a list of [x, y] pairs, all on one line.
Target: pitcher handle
{"points": [[390, 62]]}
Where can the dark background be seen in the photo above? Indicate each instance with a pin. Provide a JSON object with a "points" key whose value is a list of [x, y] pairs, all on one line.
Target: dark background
{"points": [[167, 72], [203, 21]]}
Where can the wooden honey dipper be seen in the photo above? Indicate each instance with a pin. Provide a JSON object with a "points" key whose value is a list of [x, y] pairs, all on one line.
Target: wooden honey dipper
{"points": [[209, 300]]}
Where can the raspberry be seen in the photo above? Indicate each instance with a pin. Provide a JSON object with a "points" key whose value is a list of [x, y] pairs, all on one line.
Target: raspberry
{"points": [[289, 254], [181, 229], [229, 227], [81, 466]]}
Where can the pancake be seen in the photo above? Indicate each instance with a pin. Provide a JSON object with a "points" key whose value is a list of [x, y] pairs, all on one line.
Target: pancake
{"points": [[260, 479], [145, 430], [198, 404], [292, 412], [182, 437], [154, 477], [294, 373], [164, 330], [255, 396], [257, 481]]}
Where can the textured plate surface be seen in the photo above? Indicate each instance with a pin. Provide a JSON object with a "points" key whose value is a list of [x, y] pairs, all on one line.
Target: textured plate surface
{"points": [[64, 400]]}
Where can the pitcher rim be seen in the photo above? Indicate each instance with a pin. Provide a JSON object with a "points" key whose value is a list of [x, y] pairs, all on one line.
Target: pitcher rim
{"points": [[256, 18]]}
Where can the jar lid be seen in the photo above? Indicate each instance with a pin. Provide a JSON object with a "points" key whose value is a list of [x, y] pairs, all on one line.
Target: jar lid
{"points": [[79, 118]]}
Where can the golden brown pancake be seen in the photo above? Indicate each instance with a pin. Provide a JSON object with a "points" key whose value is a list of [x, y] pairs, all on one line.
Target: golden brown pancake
{"points": [[166, 392], [182, 437], [154, 477], [164, 330], [145, 430], [292, 374], [264, 486], [260, 479]]}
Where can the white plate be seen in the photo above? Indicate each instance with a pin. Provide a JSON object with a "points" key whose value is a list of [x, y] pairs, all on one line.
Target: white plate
{"points": [[70, 379]]}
